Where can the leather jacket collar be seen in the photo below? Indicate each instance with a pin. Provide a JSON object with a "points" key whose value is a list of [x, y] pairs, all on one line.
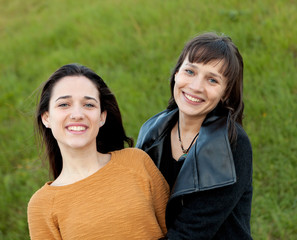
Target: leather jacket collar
{"points": [[209, 163]]}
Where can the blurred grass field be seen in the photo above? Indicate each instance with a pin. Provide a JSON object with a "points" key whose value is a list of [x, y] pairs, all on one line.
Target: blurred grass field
{"points": [[133, 45]]}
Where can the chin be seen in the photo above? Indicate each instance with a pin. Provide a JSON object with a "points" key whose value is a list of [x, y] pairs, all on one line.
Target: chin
{"points": [[78, 145]]}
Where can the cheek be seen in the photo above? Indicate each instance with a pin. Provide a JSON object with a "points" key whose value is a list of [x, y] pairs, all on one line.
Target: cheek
{"points": [[57, 119], [177, 78], [96, 120], [223, 94], [177, 83], [214, 94], [219, 96]]}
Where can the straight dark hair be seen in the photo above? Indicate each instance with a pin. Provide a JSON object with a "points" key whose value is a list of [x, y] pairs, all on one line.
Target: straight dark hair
{"points": [[209, 47], [111, 136]]}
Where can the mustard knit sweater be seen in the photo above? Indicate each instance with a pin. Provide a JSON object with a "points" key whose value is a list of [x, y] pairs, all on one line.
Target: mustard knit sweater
{"points": [[125, 199]]}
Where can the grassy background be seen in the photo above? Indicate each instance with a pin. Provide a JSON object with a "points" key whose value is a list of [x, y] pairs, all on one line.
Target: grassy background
{"points": [[133, 45]]}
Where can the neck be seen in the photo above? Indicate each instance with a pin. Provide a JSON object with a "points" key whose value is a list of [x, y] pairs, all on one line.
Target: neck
{"points": [[80, 163], [189, 126]]}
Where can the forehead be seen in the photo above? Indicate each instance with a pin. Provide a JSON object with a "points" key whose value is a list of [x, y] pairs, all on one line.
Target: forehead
{"points": [[75, 85]]}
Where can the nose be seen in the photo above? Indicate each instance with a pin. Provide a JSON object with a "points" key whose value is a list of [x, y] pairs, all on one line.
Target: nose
{"points": [[77, 114], [197, 84]]}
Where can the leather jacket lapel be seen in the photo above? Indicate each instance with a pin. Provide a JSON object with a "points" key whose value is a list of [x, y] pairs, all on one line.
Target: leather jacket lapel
{"points": [[209, 163]]}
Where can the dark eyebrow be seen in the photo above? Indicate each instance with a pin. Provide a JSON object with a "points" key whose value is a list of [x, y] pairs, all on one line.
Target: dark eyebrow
{"points": [[63, 97], [215, 75], [191, 65], [68, 96], [90, 98]]}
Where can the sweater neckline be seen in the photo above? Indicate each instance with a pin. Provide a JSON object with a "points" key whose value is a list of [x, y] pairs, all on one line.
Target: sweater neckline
{"points": [[84, 180]]}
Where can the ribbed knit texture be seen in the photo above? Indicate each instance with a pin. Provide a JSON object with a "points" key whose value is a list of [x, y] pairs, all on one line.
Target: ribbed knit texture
{"points": [[126, 199]]}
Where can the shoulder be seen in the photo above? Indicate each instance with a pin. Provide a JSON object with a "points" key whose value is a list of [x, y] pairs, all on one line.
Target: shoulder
{"points": [[41, 199], [132, 157], [156, 118], [242, 142], [134, 160], [242, 153], [41, 193], [155, 126], [129, 153]]}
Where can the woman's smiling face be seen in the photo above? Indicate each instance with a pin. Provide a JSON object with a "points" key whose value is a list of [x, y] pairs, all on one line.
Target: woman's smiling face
{"points": [[74, 114], [199, 87]]}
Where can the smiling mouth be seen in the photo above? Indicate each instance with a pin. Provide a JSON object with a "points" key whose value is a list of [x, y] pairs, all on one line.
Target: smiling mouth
{"points": [[192, 98], [76, 128]]}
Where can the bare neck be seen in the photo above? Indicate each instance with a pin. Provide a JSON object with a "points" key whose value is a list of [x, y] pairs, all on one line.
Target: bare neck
{"points": [[189, 127], [79, 164]]}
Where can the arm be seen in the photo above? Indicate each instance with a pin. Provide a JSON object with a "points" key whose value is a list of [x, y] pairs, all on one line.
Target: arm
{"points": [[40, 218], [159, 191], [200, 215]]}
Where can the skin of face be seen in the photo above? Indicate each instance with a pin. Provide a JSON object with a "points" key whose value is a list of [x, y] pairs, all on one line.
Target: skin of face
{"points": [[198, 88], [74, 115]]}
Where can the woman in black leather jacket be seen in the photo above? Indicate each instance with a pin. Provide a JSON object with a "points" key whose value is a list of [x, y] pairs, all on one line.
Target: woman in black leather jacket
{"points": [[199, 145]]}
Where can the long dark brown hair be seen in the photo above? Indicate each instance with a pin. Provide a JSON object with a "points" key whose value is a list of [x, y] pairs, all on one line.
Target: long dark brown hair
{"points": [[209, 47], [111, 136]]}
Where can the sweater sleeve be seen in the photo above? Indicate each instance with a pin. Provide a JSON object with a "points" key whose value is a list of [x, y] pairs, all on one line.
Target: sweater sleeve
{"points": [[159, 189], [42, 224], [200, 215]]}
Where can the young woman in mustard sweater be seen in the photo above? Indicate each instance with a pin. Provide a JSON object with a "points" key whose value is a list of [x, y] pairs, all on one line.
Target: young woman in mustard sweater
{"points": [[100, 190]]}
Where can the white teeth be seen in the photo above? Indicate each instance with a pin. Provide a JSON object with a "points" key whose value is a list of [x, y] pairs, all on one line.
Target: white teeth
{"points": [[76, 128], [192, 99]]}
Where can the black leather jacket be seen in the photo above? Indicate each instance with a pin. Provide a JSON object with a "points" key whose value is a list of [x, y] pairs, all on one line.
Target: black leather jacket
{"points": [[203, 168], [212, 196]]}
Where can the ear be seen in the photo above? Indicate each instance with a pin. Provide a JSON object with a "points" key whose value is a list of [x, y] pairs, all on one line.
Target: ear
{"points": [[103, 118], [45, 119], [175, 74]]}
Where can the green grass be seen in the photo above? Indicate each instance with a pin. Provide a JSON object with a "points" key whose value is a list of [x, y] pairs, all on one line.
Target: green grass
{"points": [[133, 45]]}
